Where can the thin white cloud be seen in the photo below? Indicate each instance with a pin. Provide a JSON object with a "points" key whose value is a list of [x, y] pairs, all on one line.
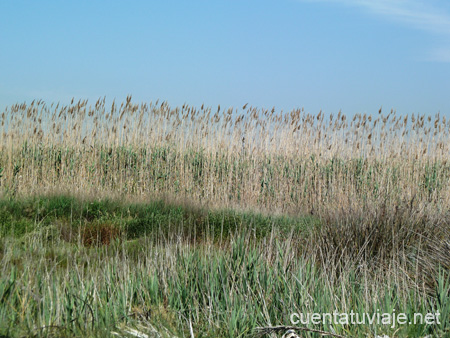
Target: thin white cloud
{"points": [[441, 54], [419, 14]]}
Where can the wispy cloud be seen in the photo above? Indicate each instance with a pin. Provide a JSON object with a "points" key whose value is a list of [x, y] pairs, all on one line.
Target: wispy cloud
{"points": [[440, 54], [419, 14], [423, 15]]}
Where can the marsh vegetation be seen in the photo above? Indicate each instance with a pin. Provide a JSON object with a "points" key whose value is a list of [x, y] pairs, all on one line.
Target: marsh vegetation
{"points": [[157, 219]]}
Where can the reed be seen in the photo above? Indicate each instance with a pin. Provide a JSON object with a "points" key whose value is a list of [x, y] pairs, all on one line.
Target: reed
{"points": [[245, 158]]}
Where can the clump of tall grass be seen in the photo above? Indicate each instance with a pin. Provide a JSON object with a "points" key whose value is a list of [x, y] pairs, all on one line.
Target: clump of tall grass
{"points": [[245, 158]]}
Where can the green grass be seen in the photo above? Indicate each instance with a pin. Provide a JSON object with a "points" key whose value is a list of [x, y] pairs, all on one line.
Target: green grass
{"points": [[21, 216], [73, 267]]}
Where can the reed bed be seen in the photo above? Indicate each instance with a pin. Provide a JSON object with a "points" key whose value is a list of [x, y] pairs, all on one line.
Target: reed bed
{"points": [[307, 213], [242, 158]]}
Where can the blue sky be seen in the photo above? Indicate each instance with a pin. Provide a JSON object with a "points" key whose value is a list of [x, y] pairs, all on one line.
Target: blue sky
{"points": [[354, 55]]}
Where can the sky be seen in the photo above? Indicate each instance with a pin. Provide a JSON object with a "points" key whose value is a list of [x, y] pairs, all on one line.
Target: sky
{"points": [[329, 55]]}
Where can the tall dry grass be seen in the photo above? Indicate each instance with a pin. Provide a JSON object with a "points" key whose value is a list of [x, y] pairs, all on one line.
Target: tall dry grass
{"points": [[245, 158]]}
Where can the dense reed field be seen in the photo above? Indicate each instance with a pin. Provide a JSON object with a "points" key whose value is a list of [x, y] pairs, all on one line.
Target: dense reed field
{"points": [[142, 219], [249, 158]]}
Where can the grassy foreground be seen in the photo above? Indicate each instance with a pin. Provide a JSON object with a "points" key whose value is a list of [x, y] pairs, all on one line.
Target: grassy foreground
{"points": [[98, 268]]}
